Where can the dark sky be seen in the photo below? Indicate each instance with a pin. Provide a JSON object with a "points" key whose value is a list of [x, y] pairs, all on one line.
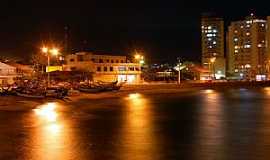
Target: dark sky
{"points": [[162, 29]]}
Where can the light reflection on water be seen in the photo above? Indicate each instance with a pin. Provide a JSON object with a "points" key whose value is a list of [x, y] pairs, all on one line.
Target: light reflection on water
{"points": [[210, 124], [48, 137], [138, 129], [47, 112]]}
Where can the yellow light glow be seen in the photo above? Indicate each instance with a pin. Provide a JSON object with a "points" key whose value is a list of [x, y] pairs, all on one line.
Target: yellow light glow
{"points": [[44, 49], [54, 128], [134, 96], [54, 51], [212, 60], [47, 112], [137, 56], [208, 91]]}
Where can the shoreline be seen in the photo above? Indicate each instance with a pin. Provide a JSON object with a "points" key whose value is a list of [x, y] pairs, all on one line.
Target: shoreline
{"points": [[153, 89], [16, 103]]}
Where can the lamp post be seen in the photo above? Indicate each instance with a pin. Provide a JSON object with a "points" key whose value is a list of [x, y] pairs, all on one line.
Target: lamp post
{"points": [[212, 61], [179, 70], [53, 51]]}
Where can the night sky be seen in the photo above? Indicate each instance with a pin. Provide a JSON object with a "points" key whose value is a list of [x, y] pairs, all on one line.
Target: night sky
{"points": [[161, 29]]}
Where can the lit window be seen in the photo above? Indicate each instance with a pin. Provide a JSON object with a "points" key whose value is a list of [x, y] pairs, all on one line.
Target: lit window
{"points": [[219, 72], [210, 46], [259, 45], [235, 39], [236, 70], [209, 27], [236, 47], [209, 35], [214, 42], [122, 68], [214, 31], [262, 25], [214, 54], [236, 51], [247, 33], [248, 26], [247, 66], [247, 46], [202, 27], [209, 39], [235, 31], [241, 26]]}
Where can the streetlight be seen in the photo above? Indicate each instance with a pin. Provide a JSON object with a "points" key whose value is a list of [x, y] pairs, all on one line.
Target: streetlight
{"points": [[179, 70], [137, 56], [213, 60], [53, 51]]}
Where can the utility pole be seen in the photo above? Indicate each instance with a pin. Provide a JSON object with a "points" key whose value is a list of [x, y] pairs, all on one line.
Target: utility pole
{"points": [[66, 40], [179, 70], [49, 84]]}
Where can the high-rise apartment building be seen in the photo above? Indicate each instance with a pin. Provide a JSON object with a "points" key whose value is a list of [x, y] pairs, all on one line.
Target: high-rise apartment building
{"points": [[268, 46], [212, 39], [246, 48]]}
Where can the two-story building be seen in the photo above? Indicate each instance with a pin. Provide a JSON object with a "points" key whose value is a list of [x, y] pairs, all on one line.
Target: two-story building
{"points": [[8, 73], [105, 68]]}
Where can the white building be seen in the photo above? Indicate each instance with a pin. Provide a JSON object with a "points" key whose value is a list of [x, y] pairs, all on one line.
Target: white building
{"points": [[105, 68], [7, 73]]}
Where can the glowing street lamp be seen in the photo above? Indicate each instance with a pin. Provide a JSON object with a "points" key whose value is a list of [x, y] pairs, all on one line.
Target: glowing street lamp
{"points": [[212, 60], [44, 49], [137, 56], [53, 51]]}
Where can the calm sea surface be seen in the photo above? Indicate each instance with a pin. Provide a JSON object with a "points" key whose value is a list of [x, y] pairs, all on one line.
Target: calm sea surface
{"points": [[203, 125]]}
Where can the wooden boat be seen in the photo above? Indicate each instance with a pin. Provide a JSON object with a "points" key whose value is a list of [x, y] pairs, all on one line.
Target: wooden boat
{"points": [[112, 88], [90, 90], [56, 92], [29, 95]]}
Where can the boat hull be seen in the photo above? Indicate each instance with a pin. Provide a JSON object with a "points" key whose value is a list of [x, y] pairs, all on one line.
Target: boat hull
{"points": [[91, 90], [30, 96]]}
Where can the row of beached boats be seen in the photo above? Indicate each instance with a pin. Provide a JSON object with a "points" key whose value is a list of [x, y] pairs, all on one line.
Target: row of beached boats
{"points": [[31, 89], [99, 87]]}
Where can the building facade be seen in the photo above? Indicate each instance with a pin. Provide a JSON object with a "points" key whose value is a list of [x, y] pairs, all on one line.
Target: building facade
{"points": [[212, 46], [8, 74], [268, 46], [105, 68], [247, 47]]}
